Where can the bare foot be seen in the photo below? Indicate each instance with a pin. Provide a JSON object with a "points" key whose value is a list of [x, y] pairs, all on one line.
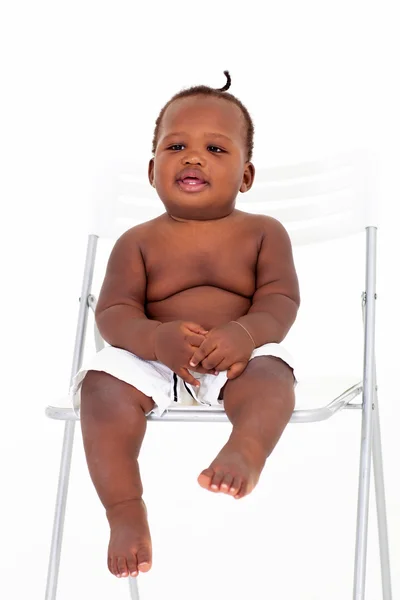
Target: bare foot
{"points": [[237, 468], [129, 550]]}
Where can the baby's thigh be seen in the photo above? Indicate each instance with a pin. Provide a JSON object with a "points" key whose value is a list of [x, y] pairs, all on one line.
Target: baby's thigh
{"points": [[102, 394], [263, 374]]}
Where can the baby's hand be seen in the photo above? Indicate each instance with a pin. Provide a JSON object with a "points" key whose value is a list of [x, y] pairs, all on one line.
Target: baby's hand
{"points": [[198, 330], [226, 348], [174, 344]]}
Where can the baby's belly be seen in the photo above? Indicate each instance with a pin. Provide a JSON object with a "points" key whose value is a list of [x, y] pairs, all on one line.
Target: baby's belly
{"points": [[206, 305]]}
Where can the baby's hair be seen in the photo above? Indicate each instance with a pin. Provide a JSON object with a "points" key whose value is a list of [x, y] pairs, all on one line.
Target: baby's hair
{"points": [[218, 93]]}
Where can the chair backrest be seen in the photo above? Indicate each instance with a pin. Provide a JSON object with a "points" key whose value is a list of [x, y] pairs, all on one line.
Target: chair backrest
{"points": [[330, 200], [316, 200]]}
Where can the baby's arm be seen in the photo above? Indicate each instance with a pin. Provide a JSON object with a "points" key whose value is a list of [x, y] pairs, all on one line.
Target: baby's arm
{"points": [[277, 298], [120, 314], [121, 318], [272, 312]]}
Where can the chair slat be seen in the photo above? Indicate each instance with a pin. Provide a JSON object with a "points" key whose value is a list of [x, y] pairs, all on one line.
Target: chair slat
{"points": [[332, 195]]}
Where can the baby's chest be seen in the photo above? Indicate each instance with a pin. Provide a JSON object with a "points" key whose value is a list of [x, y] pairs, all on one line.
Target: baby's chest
{"points": [[172, 267]]}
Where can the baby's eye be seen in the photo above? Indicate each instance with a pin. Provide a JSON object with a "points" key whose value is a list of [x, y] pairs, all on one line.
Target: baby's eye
{"points": [[215, 149]]}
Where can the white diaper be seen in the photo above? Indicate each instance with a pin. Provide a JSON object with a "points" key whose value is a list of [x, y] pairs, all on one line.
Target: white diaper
{"points": [[158, 381]]}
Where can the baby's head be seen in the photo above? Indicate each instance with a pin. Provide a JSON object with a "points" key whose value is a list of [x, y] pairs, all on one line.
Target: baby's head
{"points": [[202, 150]]}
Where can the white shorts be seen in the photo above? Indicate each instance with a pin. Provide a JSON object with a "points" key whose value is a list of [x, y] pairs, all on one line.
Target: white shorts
{"points": [[158, 381]]}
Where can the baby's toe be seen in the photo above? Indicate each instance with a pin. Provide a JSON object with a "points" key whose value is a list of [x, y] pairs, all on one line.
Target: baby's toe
{"points": [[216, 481], [144, 560], [235, 486], [132, 565], [122, 568], [242, 491], [114, 566], [110, 565], [226, 483], [205, 478]]}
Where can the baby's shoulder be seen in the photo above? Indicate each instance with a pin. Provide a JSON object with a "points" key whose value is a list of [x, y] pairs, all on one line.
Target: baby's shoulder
{"points": [[135, 239], [268, 230], [143, 230], [261, 222]]}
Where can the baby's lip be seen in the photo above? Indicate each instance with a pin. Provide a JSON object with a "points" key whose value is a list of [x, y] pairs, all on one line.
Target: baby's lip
{"points": [[192, 174]]}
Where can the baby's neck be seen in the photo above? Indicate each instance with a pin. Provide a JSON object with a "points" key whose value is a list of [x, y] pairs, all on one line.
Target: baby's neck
{"points": [[199, 221]]}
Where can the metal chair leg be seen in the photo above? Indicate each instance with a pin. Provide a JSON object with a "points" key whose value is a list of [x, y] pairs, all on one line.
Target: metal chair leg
{"points": [[69, 431], [59, 517], [362, 513], [381, 503], [369, 299], [134, 589]]}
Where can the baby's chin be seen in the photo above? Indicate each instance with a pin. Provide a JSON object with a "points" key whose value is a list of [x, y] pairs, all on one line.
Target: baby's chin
{"points": [[184, 215]]}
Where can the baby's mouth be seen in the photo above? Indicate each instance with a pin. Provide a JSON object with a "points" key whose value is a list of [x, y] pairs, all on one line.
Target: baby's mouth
{"points": [[192, 184]]}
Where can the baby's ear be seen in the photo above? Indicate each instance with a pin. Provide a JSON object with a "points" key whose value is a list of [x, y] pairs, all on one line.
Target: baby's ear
{"points": [[248, 177], [151, 172]]}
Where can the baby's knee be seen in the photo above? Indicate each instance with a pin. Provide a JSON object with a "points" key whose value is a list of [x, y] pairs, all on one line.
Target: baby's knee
{"points": [[271, 367], [96, 382]]}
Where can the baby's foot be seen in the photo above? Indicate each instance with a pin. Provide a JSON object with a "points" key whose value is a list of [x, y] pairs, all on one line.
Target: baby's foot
{"points": [[237, 468], [129, 550]]}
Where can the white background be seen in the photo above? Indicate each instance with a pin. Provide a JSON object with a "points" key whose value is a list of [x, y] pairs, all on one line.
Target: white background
{"points": [[83, 81]]}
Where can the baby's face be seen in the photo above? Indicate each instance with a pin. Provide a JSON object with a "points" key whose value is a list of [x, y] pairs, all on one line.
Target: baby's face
{"points": [[200, 161]]}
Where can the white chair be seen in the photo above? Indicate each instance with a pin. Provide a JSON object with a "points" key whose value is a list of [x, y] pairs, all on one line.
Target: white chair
{"points": [[316, 201]]}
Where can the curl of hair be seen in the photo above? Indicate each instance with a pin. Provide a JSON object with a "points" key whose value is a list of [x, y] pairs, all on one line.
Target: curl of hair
{"points": [[199, 90], [228, 82]]}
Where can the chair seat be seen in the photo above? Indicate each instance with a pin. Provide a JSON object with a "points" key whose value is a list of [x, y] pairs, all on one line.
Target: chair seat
{"points": [[315, 398], [316, 391]]}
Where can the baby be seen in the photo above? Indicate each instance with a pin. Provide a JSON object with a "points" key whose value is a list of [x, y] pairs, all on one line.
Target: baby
{"points": [[197, 299]]}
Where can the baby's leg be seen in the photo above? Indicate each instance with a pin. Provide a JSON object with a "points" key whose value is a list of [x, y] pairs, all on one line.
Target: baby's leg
{"points": [[113, 426], [259, 404]]}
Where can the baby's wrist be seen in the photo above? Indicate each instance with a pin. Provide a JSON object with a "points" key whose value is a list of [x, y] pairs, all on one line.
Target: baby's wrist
{"points": [[246, 330]]}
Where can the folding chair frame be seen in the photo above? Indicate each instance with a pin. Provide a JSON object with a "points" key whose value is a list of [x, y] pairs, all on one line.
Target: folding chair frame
{"points": [[370, 432]]}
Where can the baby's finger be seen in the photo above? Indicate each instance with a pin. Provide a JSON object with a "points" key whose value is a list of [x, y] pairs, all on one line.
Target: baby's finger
{"points": [[194, 339], [236, 369], [212, 360], [204, 350], [200, 369], [188, 377], [195, 328], [222, 366]]}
